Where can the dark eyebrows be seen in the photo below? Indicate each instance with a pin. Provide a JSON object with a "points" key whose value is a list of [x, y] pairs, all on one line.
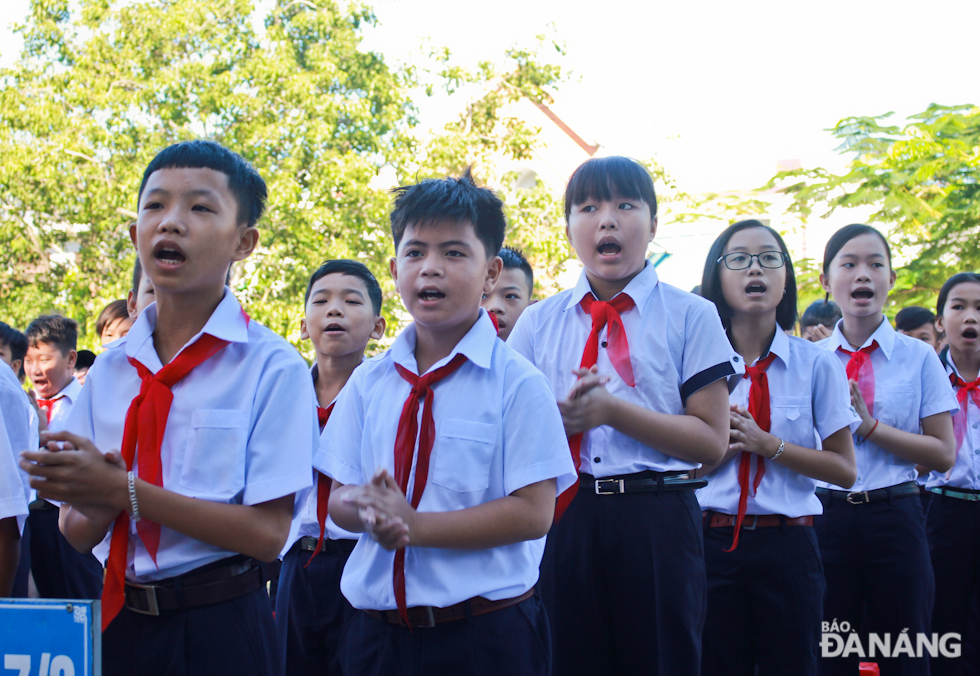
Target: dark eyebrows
{"points": [[512, 287], [196, 192], [322, 290], [442, 245]]}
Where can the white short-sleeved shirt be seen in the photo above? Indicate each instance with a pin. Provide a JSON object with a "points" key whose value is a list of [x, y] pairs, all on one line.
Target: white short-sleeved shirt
{"points": [[241, 429], [304, 514], [18, 433], [498, 429], [807, 391], [966, 471], [677, 346], [910, 384], [61, 408]]}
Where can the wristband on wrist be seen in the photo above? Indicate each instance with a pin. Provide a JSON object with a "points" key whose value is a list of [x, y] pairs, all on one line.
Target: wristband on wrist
{"points": [[868, 435], [779, 451], [134, 510]]}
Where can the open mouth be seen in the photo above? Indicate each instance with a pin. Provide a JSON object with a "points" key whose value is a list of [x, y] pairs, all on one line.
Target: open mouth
{"points": [[970, 334], [863, 294], [608, 246], [334, 329], [431, 295], [168, 254], [755, 289]]}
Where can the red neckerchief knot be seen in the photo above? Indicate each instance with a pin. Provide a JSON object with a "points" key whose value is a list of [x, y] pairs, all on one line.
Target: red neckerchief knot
{"points": [[964, 390], [408, 432], [759, 410], [146, 422], [48, 405], [323, 486], [860, 370], [603, 313]]}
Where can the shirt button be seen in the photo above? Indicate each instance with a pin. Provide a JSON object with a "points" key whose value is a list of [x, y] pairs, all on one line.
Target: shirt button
{"points": [[598, 459], [977, 452], [605, 344], [735, 358], [974, 425]]}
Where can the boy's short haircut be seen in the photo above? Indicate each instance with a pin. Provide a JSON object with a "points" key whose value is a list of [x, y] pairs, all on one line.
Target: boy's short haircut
{"points": [[825, 312], [16, 341], [912, 317], [514, 259], [354, 269], [110, 313], [244, 181], [454, 199], [56, 330], [84, 360], [603, 178]]}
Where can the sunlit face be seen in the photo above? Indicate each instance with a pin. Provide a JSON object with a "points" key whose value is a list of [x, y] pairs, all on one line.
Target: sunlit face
{"points": [[50, 371], [508, 299], [960, 320], [611, 238], [115, 330], [926, 333], [339, 317], [441, 271], [756, 290], [860, 276], [187, 230]]}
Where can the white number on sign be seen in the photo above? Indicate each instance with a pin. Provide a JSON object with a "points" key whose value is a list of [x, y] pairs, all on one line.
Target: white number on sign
{"points": [[61, 665], [21, 663]]}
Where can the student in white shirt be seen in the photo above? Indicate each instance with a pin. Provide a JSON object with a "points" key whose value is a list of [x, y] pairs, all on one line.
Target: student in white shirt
{"points": [[759, 502], [18, 432], [59, 571], [873, 537], [480, 460], [954, 496], [342, 313], [628, 551], [223, 412]]}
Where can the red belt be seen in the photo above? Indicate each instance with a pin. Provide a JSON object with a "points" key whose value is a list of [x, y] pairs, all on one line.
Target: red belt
{"points": [[753, 521], [428, 616]]}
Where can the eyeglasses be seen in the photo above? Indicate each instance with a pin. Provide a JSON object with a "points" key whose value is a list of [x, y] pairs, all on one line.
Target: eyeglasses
{"points": [[742, 261]]}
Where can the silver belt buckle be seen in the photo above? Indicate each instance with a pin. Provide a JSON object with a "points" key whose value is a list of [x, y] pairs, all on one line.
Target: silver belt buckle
{"points": [[851, 501], [755, 522], [618, 483], [151, 599]]}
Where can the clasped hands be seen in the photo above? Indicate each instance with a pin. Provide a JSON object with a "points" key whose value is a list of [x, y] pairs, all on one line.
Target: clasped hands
{"points": [[384, 512], [745, 434]]}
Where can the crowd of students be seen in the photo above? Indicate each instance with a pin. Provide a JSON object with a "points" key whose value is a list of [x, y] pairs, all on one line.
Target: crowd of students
{"points": [[640, 480]]}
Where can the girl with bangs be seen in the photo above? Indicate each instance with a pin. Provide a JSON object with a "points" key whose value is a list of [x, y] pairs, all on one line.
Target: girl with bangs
{"points": [[765, 579], [873, 536]]}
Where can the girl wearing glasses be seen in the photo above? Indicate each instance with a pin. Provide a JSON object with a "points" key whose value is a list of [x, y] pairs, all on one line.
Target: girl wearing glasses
{"points": [[765, 580], [873, 536]]}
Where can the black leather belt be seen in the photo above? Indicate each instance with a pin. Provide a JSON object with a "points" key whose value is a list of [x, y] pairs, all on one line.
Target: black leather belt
{"points": [[641, 482], [862, 497], [307, 543], [215, 583]]}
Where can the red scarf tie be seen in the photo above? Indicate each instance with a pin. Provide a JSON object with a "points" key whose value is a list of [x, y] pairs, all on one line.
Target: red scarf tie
{"points": [[602, 313], [323, 486], [964, 390], [146, 422], [860, 369], [48, 405], [408, 432], [759, 410]]}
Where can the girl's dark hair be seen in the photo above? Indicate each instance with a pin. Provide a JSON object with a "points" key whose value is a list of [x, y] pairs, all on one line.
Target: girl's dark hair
{"points": [[912, 317], [825, 312], [958, 278], [603, 178], [711, 279], [112, 312], [845, 235]]}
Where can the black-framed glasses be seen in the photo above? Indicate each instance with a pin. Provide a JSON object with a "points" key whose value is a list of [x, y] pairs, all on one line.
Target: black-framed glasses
{"points": [[740, 261]]}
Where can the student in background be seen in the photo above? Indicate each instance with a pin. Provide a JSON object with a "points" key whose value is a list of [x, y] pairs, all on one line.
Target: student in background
{"points": [[512, 292], [819, 320], [919, 323], [141, 293], [13, 347], [113, 322], [83, 363]]}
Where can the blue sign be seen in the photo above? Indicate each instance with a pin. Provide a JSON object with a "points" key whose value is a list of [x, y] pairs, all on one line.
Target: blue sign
{"points": [[46, 637]]}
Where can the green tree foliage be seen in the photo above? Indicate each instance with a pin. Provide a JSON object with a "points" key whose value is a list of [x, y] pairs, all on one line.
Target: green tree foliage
{"points": [[102, 86], [922, 179]]}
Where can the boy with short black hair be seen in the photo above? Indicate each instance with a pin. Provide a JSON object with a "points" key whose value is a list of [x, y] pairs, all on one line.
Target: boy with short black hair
{"points": [[819, 320], [920, 323], [50, 364], [222, 411], [481, 466], [13, 347], [512, 292], [113, 322], [342, 314]]}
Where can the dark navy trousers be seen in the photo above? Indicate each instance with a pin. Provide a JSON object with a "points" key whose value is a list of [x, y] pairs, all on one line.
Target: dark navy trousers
{"points": [[311, 613], [879, 576], [765, 602], [60, 571], [512, 641], [624, 584], [22, 575], [954, 543], [236, 637]]}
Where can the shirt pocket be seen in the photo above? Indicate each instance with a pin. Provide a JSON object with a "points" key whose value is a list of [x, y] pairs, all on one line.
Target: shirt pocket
{"points": [[214, 462], [792, 419], [464, 452], [894, 407]]}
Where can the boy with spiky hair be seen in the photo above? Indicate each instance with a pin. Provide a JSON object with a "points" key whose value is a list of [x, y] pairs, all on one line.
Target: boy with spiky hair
{"points": [[222, 412], [512, 292]]}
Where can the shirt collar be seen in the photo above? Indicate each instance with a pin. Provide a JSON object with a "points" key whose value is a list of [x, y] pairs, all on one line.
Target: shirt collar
{"points": [[780, 346], [639, 288], [884, 335], [477, 345], [228, 322], [70, 391]]}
